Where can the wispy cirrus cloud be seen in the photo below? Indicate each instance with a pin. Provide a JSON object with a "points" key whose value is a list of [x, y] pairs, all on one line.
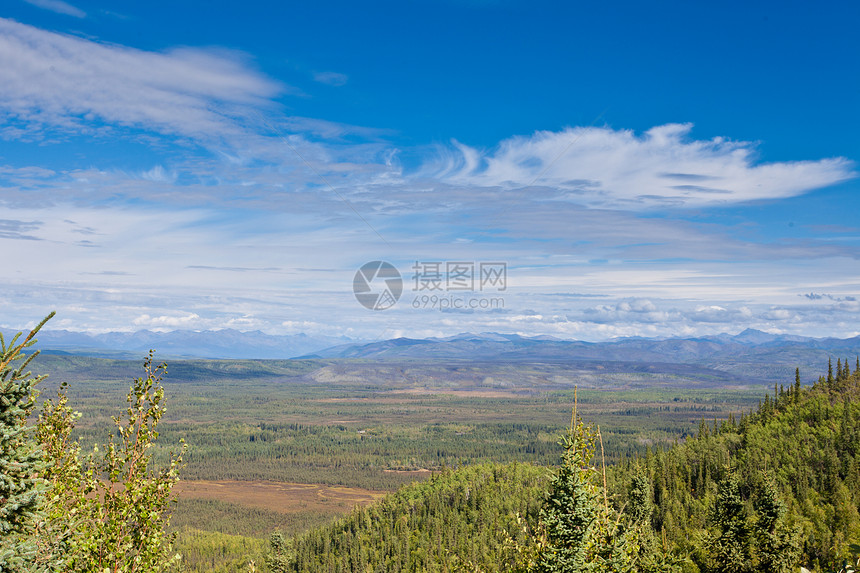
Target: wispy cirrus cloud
{"points": [[335, 79], [59, 7], [54, 82], [15, 229], [663, 167], [233, 269]]}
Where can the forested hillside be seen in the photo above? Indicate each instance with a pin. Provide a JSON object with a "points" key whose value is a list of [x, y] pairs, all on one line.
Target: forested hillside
{"points": [[455, 520], [804, 439], [773, 490]]}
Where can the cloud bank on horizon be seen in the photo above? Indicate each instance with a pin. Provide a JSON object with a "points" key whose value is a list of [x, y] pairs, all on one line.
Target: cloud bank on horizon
{"points": [[175, 188]]}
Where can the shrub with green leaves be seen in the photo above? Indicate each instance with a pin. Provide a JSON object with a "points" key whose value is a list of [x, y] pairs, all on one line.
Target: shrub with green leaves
{"points": [[118, 506]]}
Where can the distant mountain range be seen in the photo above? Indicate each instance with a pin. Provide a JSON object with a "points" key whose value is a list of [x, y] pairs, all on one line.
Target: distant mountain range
{"points": [[491, 346], [225, 343], [750, 353], [753, 355]]}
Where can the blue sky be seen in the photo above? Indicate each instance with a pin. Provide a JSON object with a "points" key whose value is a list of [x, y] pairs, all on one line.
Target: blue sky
{"points": [[661, 169]]}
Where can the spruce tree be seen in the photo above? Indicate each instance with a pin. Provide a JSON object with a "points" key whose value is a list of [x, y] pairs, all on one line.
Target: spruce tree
{"points": [[570, 511], [728, 547], [641, 506], [652, 557], [21, 459], [796, 395], [777, 545], [279, 557], [580, 531]]}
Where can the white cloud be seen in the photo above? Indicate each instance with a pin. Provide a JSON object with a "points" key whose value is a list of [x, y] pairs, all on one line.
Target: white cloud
{"points": [[719, 314], [250, 237], [158, 174], [628, 311], [59, 7], [146, 320], [331, 78], [166, 322], [640, 306], [56, 81], [602, 167], [778, 314]]}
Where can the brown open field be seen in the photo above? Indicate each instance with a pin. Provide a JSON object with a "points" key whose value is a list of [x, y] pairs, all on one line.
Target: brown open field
{"points": [[278, 496]]}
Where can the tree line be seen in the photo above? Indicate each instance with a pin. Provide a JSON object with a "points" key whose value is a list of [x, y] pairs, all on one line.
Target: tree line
{"points": [[770, 491]]}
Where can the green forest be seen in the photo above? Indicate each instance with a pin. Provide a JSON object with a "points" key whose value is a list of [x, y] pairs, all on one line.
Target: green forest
{"points": [[771, 489], [774, 490]]}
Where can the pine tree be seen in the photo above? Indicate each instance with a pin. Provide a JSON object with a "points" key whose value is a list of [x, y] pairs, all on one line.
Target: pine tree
{"points": [[641, 506], [279, 557], [570, 511], [21, 459], [796, 396], [651, 558], [777, 545], [580, 531], [728, 547]]}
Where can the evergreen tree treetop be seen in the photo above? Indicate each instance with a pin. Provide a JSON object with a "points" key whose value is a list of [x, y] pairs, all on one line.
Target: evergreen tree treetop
{"points": [[21, 458]]}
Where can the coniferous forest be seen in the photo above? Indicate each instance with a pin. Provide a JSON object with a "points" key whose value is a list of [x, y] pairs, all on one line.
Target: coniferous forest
{"points": [[775, 488]]}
